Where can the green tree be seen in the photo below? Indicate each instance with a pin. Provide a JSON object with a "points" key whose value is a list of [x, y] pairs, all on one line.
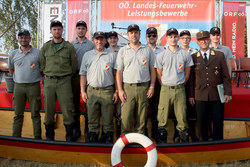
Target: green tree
{"points": [[15, 15]]}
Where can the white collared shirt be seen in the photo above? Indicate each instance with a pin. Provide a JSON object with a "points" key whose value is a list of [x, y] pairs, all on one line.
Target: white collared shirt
{"points": [[207, 52]]}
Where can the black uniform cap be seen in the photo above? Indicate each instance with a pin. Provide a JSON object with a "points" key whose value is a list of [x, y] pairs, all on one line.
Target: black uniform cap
{"points": [[172, 30], [23, 32], [55, 24]]}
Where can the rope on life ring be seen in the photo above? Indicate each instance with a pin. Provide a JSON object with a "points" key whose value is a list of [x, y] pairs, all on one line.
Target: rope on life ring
{"points": [[143, 140]]}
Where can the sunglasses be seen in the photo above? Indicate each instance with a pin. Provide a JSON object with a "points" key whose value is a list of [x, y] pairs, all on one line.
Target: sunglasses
{"points": [[151, 35]]}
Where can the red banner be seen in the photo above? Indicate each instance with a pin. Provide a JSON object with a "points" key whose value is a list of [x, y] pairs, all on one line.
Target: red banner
{"points": [[172, 10], [233, 27], [77, 10]]}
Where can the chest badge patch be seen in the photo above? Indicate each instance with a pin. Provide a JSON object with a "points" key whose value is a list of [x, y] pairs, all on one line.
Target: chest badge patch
{"points": [[180, 66], [212, 52], [144, 62], [107, 67], [32, 65]]}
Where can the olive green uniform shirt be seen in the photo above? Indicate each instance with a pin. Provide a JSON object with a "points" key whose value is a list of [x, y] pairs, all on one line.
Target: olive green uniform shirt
{"points": [[59, 62]]}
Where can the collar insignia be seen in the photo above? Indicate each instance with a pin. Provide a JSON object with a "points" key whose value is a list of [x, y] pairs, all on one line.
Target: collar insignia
{"points": [[198, 54]]}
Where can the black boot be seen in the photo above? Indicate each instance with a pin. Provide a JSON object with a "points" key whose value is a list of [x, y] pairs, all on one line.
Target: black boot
{"points": [[109, 137], [93, 137], [50, 133], [162, 136], [184, 137], [76, 131], [69, 133]]}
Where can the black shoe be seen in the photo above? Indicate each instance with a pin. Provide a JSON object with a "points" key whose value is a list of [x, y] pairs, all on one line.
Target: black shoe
{"points": [[184, 137], [162, 136], [76, 131], [93, 137], [50, 133], [109, 137], [69, 133], [177, 139]]}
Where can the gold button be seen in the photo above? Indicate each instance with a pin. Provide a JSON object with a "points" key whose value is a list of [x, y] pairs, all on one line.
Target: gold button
{"points": [[206, 67], [207, 73], [207, 78], [207, 84]]}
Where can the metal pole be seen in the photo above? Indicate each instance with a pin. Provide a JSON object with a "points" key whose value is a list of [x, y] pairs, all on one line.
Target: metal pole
{"points": [[90, 19], [96, 12]]}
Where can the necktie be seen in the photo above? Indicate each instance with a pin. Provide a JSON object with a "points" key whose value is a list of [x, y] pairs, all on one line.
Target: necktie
{"points": [[205, 57]]}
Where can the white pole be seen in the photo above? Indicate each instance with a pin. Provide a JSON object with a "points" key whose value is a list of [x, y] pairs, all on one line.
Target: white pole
{"points": [[90, 19], [96, 13]]}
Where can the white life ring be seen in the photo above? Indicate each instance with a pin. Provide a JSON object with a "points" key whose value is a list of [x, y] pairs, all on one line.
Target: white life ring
{"points": [[134, 138]]}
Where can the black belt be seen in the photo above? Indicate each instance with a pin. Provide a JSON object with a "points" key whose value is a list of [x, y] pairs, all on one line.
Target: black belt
{"points": [[175, 87], [138, 84], [98, 88], [57, 77]]}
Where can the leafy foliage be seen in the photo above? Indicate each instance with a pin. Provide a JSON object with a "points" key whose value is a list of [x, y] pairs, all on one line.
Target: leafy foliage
{"points": [[20, 14]]}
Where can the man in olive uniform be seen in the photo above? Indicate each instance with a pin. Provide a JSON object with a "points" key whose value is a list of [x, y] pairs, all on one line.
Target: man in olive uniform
{"points": [[97, 71], [135, 78], [185, 39], [59, 64], [209, 70], [173, 69], [24, 63], [82, 45]]}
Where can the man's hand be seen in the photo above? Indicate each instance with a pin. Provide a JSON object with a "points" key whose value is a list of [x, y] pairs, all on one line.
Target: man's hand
{"points": [[227, 98], [122, 96], [115, 98], [84, 97], [150, 93], [191, 101]]}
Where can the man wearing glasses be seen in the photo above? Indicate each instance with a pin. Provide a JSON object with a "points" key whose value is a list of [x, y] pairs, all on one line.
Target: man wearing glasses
{"points": [[185, 39], [151, 37]]}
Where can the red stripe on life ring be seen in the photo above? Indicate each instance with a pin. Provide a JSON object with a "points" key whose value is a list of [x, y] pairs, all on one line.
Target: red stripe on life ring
{"points": [[119, 165], [124, 139], [150, 147]]}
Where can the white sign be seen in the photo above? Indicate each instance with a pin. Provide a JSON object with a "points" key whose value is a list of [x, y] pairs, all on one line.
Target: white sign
{"points": [[51, 12]]}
